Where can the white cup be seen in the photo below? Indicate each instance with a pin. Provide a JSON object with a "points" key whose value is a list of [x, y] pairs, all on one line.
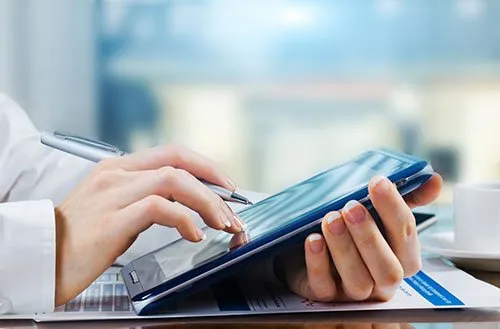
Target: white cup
{"points": [[477, 217]]}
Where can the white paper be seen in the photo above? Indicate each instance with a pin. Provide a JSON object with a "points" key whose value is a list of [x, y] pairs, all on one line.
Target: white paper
{"points": [[438, 285]]}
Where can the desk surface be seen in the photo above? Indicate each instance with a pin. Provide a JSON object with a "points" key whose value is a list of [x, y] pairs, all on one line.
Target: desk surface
{"points": [[375, 319], [367, 319]]}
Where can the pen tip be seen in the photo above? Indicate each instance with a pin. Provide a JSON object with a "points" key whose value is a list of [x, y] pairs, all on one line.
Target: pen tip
{"points": [[241, 198]]}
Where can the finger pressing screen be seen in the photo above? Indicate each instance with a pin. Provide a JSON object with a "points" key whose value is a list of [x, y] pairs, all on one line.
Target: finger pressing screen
{"points": [[179, 185]]}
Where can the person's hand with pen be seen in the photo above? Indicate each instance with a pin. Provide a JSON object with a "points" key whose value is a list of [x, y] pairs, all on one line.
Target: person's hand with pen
{"points": [[123, 197]]}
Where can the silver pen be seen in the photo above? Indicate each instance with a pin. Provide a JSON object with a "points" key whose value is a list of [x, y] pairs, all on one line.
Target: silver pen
{"points": [[96, 151]]}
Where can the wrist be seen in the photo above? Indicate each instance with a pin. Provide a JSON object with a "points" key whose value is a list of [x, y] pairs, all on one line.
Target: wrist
{"points": [[59, 294]]}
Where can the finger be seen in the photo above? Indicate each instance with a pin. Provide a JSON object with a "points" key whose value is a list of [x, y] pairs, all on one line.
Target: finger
{"points": [[179, 185], [139, 216], [380, 260], [399, 223], [425, 194], [319, 271], [234, 223], [356, 279], [177, 157]]}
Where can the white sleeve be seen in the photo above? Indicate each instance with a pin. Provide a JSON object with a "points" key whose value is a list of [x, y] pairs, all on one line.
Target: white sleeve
{"points": [[27, 257], [29, 171]]}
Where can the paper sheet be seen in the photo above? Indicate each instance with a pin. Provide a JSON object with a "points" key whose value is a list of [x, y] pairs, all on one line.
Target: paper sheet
{"points": [[438, 285]]}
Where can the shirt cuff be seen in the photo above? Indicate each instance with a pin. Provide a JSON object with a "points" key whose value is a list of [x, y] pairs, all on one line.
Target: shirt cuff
{"points": [[27, 241]]}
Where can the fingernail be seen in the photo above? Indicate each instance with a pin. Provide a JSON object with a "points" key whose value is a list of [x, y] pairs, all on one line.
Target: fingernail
{"points": [[316, 243], [335, 223], [232, 184], [380, 184], [239, 222], [224, 220], [354, 212], [201, 235]]}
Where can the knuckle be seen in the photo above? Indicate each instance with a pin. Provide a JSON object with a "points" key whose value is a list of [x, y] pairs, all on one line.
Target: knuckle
{"points": [[167, 175], [152, 205], [359, 291], [404, 237], [176, 152], [393, 277], [184, 220], [102, 179], [408, 230], [325, 294], [212, 202], [212, 210], [369, 240]]}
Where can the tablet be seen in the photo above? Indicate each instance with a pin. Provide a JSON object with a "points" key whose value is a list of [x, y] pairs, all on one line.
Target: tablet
{"points": [[281, 221]]}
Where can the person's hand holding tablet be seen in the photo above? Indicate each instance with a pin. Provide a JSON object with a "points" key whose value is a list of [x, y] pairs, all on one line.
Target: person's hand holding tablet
{"points": [[350, 260]]}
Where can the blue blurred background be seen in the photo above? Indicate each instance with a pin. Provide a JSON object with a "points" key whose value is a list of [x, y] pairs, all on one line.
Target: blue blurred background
{"points": [[273, 90]]}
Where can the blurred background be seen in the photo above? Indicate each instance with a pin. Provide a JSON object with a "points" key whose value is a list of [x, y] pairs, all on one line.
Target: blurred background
{"points": [[273, 90]]}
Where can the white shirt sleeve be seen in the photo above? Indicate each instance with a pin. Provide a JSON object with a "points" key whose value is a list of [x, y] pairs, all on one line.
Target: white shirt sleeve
{"points": [[29, 171], [27, 257]]}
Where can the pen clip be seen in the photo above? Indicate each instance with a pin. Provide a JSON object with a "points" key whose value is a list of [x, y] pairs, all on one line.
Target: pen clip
{"points": [[86, 141]]}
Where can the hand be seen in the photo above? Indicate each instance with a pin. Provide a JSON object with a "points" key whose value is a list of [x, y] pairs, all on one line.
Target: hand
{"points": [[124, 196], [351, 261]]}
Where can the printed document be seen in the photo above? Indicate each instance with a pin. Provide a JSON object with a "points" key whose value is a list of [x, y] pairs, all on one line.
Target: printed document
{"points": [[438, 285]]}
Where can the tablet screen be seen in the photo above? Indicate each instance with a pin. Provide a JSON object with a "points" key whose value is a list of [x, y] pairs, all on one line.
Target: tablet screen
{"points": [[263, 217]]}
